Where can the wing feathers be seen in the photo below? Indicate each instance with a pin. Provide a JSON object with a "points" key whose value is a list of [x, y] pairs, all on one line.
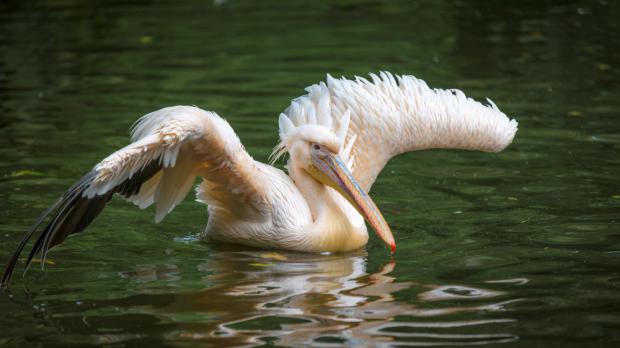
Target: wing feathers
{"points": [[71, 214], [393, 114], [175, 183], [170, 148], [146, 196]]}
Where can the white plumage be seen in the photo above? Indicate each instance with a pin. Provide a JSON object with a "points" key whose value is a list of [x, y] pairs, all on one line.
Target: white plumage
{"points": [[338, 137], [395, 114]]}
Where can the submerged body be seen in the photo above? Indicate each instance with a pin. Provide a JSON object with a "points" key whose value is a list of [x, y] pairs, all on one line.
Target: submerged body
{"points": [[290, 224], [338, 138]]}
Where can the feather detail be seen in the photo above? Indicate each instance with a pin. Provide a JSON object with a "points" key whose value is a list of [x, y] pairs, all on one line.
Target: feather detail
{"points": [[345, 153], [286, 126], [343, 126], [392, 114]]}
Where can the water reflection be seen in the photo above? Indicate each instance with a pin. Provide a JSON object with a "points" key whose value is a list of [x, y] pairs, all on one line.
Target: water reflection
{"points": [[322, 300]]}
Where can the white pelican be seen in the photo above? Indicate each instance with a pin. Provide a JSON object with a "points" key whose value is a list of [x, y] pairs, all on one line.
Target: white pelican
{"points": [[338, 137]]}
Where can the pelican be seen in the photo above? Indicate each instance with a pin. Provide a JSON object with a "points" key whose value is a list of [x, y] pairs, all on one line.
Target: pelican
{"points": [[338, 138]]}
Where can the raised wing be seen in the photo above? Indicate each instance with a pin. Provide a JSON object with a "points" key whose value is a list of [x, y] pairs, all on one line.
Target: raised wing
{"points": [[169, 148], [392, 114]]}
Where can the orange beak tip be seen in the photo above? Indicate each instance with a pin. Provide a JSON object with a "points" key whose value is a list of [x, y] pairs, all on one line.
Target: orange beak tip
{"points": [[393, 247]]}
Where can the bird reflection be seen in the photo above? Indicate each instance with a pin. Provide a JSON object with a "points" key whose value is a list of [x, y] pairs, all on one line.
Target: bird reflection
{"points": [[328, 300]]}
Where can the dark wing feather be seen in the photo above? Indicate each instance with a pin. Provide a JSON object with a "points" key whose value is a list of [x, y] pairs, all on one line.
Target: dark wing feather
{"points": [[72, 213]]}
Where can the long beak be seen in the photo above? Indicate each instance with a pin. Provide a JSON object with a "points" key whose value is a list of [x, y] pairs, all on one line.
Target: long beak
{"points": [[329, 169]]}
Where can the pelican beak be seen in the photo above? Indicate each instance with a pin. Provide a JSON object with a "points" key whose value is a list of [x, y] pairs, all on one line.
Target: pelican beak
{"points": [[328, 168]]}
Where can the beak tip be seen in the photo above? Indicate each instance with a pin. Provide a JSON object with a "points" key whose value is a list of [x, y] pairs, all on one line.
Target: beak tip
{"points": [[393, 247]]}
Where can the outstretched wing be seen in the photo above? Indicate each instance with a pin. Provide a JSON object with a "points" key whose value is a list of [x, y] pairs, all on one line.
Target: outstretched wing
{"points": [[169, 148], [390, 115]]}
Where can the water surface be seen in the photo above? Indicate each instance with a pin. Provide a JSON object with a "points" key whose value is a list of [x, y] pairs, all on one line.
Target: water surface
{"points": [[520, 248]]}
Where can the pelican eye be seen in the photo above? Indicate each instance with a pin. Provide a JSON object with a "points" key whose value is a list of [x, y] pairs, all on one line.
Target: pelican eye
{"points": [[316, 147]]}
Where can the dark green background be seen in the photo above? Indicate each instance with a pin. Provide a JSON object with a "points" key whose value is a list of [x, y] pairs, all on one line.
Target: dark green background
{"points": [[520, 248]]}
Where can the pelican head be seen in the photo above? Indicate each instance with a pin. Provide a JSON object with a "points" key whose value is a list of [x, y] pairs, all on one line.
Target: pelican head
{"points": [[317, 147]]}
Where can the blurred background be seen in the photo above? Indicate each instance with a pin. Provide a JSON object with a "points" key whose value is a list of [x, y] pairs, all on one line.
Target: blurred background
{"points": [[520, 248]]}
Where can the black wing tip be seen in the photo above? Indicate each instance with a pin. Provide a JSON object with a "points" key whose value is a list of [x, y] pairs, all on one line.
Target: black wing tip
{"points": [[55, 211], [6, 277], [72, 213], [10, 268], [6, 280]]}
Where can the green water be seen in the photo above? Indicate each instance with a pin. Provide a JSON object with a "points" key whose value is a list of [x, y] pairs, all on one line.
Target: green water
{"points": [[518, 249]]}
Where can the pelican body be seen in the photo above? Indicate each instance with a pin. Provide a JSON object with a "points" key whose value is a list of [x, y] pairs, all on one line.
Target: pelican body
{"points": [[338, 138]]}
